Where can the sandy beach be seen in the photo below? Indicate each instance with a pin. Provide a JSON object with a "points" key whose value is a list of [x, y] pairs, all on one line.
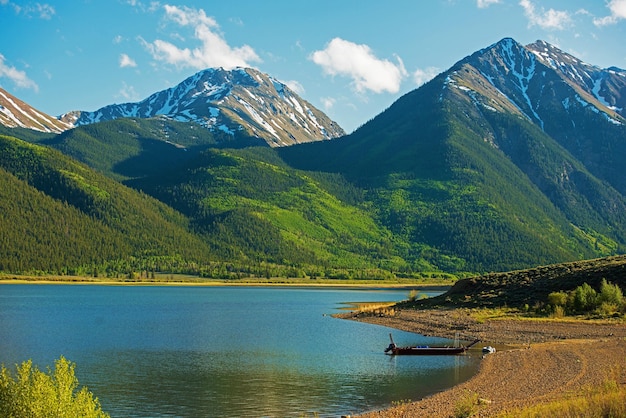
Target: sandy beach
{"points": [[542, 360]]}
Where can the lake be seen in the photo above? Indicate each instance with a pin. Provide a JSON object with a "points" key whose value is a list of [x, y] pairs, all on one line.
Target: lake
{"points": [[190, 351]]}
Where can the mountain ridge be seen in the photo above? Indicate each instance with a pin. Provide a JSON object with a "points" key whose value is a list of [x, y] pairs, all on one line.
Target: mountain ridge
{"points": [[501, 162], [498, 107], [242, 101], [16, 113], [600, 83]]}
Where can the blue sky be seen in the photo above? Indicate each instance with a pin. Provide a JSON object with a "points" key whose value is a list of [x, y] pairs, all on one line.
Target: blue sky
{"points": [[350, 58]]}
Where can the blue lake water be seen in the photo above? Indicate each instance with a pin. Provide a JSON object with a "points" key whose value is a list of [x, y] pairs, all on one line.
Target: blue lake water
{"points": [[169, 351]]}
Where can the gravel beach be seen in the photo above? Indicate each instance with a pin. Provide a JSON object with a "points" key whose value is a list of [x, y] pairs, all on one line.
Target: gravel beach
{"points": [[542, 359]]}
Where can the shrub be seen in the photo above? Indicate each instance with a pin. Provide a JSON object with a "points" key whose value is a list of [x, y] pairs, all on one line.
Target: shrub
{"points": [[557, 299], [584, 298], [607, 309], [466, 406], [558, 312], [556, 304], [610, 293], [35, 394], [415, 294]]}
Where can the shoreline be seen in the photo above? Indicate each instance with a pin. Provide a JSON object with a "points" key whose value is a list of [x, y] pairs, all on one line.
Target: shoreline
{"points": [[544, 360], [365, 284]]}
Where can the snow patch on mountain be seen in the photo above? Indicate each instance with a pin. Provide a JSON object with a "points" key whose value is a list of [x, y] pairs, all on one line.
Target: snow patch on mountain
{"points": [[606, 86], [15, 113], [594, 109], [523, 75], [214, 98], [597, 86]]}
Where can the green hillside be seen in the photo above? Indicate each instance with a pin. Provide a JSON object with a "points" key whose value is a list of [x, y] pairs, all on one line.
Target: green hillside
{"points": [[229, 212], [128, 148], [254, 212], [60, 216], [436, 181], [529, 288], [251, 205], [28, 135]]}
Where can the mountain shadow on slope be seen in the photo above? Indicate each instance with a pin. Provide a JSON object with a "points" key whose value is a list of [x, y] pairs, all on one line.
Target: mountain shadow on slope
{"points": [[59, 216]]}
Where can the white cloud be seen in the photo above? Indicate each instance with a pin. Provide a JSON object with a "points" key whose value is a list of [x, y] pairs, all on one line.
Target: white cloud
{"points": [[421, 76], [187, 16], [44, 11], [551, 19], [618, 11], [328, 103], [126, 61], [341, 57], [16, 76], [127, 93], [213, 51], [583, 12], [236, 20], [485, 3], [295, 86], [151, 7]]}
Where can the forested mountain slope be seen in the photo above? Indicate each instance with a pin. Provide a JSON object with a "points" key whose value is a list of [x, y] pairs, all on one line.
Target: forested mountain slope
{"points": [[475, 164], [236, 212], [135, 147], [58, 215], [505, 161]]}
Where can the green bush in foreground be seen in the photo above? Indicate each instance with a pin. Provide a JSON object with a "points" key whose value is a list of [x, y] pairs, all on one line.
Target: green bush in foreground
{"points": [[35, 394]]}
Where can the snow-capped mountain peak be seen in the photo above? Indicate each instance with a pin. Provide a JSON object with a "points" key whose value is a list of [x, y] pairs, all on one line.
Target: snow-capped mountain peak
{"points": [[538, 82], [506, 75], [242, 101], [607, 86], [16, 113]]}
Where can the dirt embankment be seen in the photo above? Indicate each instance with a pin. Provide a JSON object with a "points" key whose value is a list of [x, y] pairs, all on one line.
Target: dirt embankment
{"points": [[544, 360]]}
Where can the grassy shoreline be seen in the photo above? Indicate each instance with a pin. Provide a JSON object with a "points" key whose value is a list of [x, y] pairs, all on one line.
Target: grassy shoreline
{"points": [[184, 280]]}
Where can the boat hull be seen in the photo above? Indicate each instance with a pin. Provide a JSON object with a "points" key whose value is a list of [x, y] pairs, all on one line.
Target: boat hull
{"points": [[426, 351], [394, 350]]}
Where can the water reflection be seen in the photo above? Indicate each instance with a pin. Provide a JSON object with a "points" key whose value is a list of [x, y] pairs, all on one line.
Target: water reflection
{"points": [[204, 384]]}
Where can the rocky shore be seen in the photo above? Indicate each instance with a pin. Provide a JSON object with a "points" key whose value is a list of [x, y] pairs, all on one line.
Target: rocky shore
{"points": [[542, 360]]}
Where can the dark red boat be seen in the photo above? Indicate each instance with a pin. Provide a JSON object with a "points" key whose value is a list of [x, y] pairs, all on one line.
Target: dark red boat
{"points": [[426, 350]]}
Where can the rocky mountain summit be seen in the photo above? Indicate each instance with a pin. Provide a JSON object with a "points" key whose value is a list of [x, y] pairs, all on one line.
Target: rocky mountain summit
{"points": [[239, 102], [14, 113], [539, 81], [604, 85]]}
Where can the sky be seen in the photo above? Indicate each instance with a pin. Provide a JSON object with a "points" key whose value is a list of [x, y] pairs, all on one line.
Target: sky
{"points": [[350, 58]]}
